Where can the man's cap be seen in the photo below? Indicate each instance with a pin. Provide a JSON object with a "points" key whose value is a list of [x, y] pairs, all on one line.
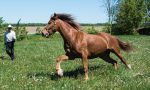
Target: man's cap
{"points": [[9, 26]]}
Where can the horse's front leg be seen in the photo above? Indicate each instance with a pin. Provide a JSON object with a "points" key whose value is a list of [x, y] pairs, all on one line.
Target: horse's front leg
{"points": [[85, 64], [59, 71]]}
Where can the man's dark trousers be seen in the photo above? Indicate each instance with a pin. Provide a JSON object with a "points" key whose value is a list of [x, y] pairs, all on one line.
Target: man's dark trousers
{"points": [[10, 49]]}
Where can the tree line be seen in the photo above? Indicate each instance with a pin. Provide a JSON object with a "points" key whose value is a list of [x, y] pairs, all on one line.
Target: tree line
{"points": [[44, 24], [126, 16]]}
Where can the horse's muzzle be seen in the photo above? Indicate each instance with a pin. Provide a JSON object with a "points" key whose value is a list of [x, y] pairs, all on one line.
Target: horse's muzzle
{"points": [[45, 35]]}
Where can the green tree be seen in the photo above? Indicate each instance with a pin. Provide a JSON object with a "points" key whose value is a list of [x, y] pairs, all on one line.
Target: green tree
{"points": [[130, 16]]}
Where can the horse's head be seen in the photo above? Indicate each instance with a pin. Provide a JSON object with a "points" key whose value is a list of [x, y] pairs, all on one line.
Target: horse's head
{"points": [[51, 27], [54, 23]]}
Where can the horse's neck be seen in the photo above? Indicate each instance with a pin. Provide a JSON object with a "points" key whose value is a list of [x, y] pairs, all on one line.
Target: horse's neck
{"points": [[67, 32]]}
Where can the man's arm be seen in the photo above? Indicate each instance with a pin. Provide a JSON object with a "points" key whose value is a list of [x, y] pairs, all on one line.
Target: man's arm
{"points": [[14, 36]]}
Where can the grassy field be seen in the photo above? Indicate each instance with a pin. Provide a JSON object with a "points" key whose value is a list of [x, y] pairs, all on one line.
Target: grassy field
{"points": [[34, 68]]}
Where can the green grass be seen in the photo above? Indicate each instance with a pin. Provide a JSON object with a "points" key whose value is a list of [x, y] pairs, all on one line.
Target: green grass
{"points": [[34, 68]]}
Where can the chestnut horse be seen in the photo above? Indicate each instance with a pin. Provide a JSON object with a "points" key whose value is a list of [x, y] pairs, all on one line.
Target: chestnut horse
{"points": [[78, 44]]}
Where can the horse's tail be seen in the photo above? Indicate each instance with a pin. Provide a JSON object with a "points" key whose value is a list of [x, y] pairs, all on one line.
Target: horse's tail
{"points": [[125, 46]]}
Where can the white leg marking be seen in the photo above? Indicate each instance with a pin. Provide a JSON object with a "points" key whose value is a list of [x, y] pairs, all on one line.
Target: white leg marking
{"points": [[60, 72], [129, 66]]}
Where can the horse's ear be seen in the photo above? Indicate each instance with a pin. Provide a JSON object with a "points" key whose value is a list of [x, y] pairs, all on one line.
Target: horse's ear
{"points": [[55, 15]]}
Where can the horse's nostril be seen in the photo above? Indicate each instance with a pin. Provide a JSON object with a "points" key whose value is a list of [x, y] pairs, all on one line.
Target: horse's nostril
{"points": [[46, 34]]}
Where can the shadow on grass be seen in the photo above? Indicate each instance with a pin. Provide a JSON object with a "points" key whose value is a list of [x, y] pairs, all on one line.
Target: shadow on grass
{"points": [[4, 58], [70, 74]]}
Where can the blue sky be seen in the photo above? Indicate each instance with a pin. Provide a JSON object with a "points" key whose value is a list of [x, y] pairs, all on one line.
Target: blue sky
{"points": [[39, 11]]}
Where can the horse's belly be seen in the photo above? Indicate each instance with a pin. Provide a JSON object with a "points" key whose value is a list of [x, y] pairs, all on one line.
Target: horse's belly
{"points": [[96, 45], [94, 51]]}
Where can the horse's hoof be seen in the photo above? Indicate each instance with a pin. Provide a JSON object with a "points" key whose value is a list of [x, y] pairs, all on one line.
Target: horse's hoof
{"points": [[86, 78], [60, 72], [129, 66], [115, 66]]}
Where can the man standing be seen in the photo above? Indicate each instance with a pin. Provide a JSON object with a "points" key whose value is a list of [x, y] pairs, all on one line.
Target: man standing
{"points": [[9, 40]]}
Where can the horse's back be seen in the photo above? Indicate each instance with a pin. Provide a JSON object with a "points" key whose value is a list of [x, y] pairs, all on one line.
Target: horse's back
{"points": [[111, 40]]}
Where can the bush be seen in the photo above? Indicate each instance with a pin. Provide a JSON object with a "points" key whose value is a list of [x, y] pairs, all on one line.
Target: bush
{"points": [[116, 29], [1, 35], [91, 30], [3, 28], [38, 30], [21, 32], [120, 30], [106, 28]]}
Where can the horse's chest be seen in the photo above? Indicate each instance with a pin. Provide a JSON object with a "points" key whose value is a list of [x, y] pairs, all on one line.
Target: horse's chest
{"points": [[69, 48]]}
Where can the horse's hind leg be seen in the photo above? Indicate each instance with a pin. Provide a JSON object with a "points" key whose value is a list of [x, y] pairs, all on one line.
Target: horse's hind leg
{"points": [[122, 59], [106, 57]]}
